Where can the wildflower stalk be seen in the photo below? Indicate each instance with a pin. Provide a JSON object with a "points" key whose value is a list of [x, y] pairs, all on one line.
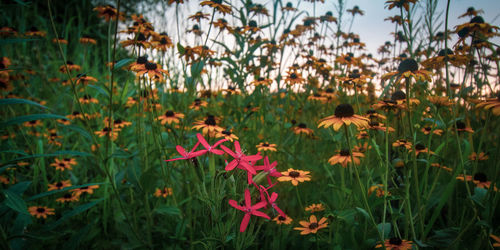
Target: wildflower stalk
{"points": [[298, 197], [361, 186]]}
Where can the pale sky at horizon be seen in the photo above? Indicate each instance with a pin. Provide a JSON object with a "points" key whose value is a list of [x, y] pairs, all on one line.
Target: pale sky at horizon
{"points": [[374, 31]]}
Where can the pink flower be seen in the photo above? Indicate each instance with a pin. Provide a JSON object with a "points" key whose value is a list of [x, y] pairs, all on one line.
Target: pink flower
{"points": [[249, 210], [270, 169], [240, 160], [211, 149], [271, 200], [187, 155]]}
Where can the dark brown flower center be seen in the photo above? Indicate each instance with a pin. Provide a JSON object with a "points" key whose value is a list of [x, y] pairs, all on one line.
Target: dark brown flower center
{"points": [[169, 113], [210, 120], [408, 65], [163, 41], [151, 66], [281, 218], [142, 60], [226, 132], [345, 152], [374, 124], [40, 209], [398, 95], [395, 241], [294, 174], [265, 144], [481, 177], [293, 76], [419, 146], [313, 225], [460, 125], [62, 165], [344, 110], [477, 19], [428, 128], [59, 184], [302, 125], [141, 37]]}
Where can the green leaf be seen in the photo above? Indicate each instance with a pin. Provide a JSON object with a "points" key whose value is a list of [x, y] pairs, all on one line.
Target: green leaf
{"points": [[74, 212], [9, 101], [15, 202], [122, 63], [479, 195], [180, 49], [20, 187], [363, 212], [82, 131], [385, 228], [27, 118], [168, 210], [38, 196], [196, 68]]}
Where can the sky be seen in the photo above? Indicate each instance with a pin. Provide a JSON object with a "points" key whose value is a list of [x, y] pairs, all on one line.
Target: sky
{"points": [[374, 31]]}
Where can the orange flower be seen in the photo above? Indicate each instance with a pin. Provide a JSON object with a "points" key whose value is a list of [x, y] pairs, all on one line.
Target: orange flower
{"points": [[311, 226], [59, 185], [170, 117], [87, 189], [295, 176], [39, 211], [266, 147], [283, 220], [344, 157], [344, 114], [154, 71], [164, 192], [315, 208], [61, 165], [396, 244]]}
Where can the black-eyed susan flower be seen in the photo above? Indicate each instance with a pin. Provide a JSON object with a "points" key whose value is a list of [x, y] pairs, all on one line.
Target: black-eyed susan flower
{"points": [[374, 125], [209, 125], [153, 70], [492, 104], [479, 157], [344, 114], [293, 78], [226, 134], [198, 16], [68, 197], [311, 226], [437, 165], [295, 176], [107, 131], [496, 239], [440, 101], [33, 123], [197, 104], [282, 220], [462, 127], [313, 208], [86, 99], [86, 189], [59, 40], [395, 243], [40, 211], [84, 79], [35, 32], [59, 185], [302, 128], [408, 68], [218, 5], [431, 129], [170, 117], [109, 12], [163, 192], [378, 190], [87, 40], [288, 7], [402, 143], [261, 81], [266, 146], [471, 12], [344, 157], [420, 148], [61, 165]]}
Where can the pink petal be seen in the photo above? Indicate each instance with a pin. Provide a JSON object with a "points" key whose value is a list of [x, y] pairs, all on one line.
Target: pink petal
{"points": [[244, 222], [181, 150], [237, 146], [259, 205], [197, 153], [274, 197], [248, 198], [231, 165], [219, 142], [217, 151], [260, 214], [176, 159], [279, 211], [203, 141], [252, 157], [229, 151], [234, 204]]}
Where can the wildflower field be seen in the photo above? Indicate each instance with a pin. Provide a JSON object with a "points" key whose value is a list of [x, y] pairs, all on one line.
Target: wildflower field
{"points": [[240, 124]]}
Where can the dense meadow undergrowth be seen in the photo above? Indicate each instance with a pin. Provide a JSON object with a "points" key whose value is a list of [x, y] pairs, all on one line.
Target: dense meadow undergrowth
{"points": [[257, 125]]}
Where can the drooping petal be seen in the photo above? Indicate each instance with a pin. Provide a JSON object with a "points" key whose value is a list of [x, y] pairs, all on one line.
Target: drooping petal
{"points": [[181, 150], [228, 151], [244, 222], [234, 204], [202, 140], [260, 214], [248, 198], [259, 205], [231, 165]]}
